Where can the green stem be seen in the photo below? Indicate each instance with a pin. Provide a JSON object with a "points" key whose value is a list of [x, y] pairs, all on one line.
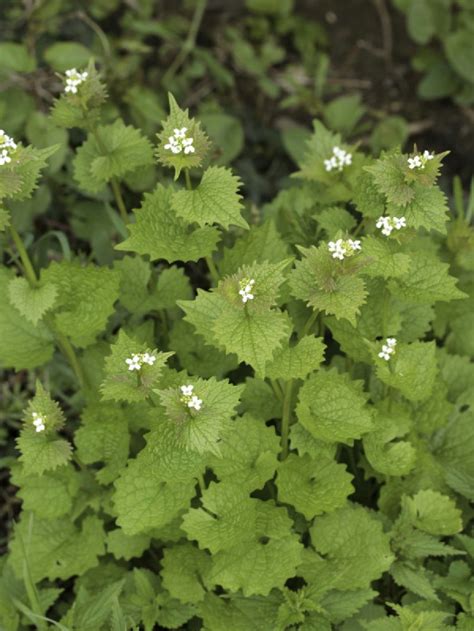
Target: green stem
{"points": [[187, 178], [68, 351], [189, 43], [309, 323], [277, 390], [25, 259], [285, 420], [212, 269], [119, 200]]}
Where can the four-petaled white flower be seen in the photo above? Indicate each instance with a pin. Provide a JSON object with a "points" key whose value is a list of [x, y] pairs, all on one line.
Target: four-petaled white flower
{"points": [[339, 159], [7, 145], [246, 288], [191, 401], [74, 79], [389, 224], [341, 248], [179, 142], [419, 161], [39, 422], [135, 362], [388, 348]]}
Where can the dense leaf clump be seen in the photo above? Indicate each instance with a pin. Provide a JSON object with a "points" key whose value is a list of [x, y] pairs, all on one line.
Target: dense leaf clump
{"points": [[262, 420]]}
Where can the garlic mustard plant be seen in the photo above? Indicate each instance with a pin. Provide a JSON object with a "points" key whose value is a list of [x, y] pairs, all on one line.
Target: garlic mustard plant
{"points": [[388, 349], [188, 397], [179, 142], [246, 289], [341, 248], [388, 224], [136, 361], [419, 161], [38, 422], [73, 80], [340, 158], [7, 147]]}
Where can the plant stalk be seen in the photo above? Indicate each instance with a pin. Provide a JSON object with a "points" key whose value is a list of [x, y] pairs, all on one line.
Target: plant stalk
{"points": [[285, 420]]}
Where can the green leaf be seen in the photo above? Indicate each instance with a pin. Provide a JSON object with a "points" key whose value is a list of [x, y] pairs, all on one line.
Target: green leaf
{"points": [[112, 152], [226, 133], [428, 209], [15, 58], [123, 384], [333, 408], [426, 281], [233, 611], [56, 549], [23, 346], [31, 302], [126, 547], [355, 549], [328, 285], [185, 569], [433, 513], [155, 487], [160, 234], [296, 362], [402, 371], [64, 55], [458, 47], [385, 451], [178, 119], [319, 148], [414, 579], [248, 457], [313, 487], [19, 178], [198, 430], [5, 219], [215, 200], [384, 260], [103, 437], [85, 299]]}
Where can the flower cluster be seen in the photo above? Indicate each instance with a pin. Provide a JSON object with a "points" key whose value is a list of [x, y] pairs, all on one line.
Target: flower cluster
{"points": [[7, 145], [74, 79], [339, 159], [419, 161], [388, 348], [341, 249], [389, 224], [39, 422], [190, 399], [135, 362], [246, 288], [180, 142]]}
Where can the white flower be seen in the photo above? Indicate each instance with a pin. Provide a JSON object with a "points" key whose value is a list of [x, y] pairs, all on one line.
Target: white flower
{"points": [[148, 359], [191, 401], [187, 390], [341, 249], [135, 362], [339, 159], [74, 79], [195, 402], [388, 224], [7, 145], [419, 161], [246, 287], [179, 142], [388, 348], [39, 422]]}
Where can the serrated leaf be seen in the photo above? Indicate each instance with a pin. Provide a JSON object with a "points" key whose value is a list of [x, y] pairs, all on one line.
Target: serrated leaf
{"points": [[122, 384], [248, 455], [214, 200], [178, 119], [333, 408], [403, 372], [160, 234], [237, 613], [296, 362], [325, 285], [433, 513], [31, 302], [4, 219], [126, 547], [185, 569], [85, 299], [111, 152], [384, 260], [385, 451], [415, 580], [313, 487], [426, 281], [198, 430], [19, 178], [155, 487], [56, 548]]}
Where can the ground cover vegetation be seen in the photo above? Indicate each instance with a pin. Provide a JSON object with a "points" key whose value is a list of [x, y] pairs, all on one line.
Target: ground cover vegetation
{"points": [[236, 326]]}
